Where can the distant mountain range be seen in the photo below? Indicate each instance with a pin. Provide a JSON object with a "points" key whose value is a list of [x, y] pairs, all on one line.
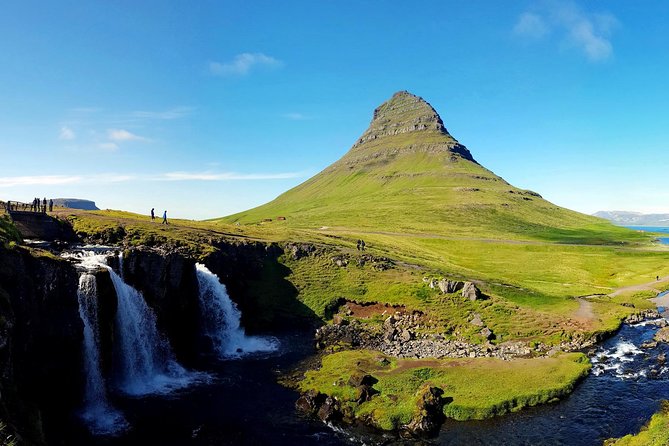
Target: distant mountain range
{"points": [[634, 218], [76, 203]]}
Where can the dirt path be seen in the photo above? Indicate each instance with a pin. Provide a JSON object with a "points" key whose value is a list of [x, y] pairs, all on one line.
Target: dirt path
{"points": [[650, 286], [585, 312]]}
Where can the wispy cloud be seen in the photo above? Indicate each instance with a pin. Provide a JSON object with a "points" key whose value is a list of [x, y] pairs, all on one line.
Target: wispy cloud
{"points": [[107, 178], [295, 116], [243, 63], [531, 25], [66, 134], [226, 176], [38, 180], [108, 146], [588, 32], [124, 135], [170, 114]]}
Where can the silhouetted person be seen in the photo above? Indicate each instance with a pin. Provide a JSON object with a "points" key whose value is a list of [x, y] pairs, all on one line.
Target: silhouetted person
{"points": [[362, 245], [44, 205], [164, 217], [153, 216], [357, 246], [50, 205]]}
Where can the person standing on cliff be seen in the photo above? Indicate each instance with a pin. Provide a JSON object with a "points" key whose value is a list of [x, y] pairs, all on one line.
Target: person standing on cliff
{"points": [[153, 216], [50, 205], [44, 205], [164, 217]]}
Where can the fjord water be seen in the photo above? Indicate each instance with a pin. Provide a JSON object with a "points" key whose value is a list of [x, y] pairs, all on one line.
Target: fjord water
{"points": [[221, 320], [659, 229]]}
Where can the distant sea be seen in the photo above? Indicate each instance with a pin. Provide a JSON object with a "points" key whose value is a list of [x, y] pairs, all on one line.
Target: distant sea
{"points": [[663, 229]]}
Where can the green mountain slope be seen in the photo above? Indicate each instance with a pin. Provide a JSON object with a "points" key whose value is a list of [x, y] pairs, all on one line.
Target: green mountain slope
{"points": [[406, 173]]}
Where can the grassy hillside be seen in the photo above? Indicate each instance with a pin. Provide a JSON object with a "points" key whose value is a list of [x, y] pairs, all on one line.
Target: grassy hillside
{"points": [[407, 174]]}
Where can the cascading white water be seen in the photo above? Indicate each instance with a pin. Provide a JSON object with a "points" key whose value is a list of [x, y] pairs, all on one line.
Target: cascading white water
{"points": [[143, 360], [221, 320], [99, 415], [146, 362]]}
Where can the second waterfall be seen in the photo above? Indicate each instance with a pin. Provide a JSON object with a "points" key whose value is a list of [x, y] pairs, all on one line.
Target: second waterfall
{"points": [[221, 320]]}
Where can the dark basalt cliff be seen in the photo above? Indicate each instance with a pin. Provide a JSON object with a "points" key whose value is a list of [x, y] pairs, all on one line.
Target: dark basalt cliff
{"points": [[40, 341]]}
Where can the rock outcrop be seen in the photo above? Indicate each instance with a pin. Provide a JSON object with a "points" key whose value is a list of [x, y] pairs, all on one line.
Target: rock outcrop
{"points": [[40, 341]]}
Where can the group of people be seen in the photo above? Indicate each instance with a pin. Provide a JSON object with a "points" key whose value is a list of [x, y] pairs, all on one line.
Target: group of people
{"points": [[153, 216], [37, 205], [361, 245]]}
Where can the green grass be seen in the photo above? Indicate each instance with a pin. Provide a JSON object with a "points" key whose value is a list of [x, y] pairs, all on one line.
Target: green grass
{"points": [[479, 388], [655, 433], [531, 283], [8, 232]]}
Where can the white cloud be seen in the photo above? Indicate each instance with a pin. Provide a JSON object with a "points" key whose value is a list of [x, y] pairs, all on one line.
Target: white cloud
{"points": [[531, 25], [109, 146], [295, 116], [107, 178], [38, 180], [588, 32], [226, 176], [243, 63], [173, 113], [124, 135], [66, 134]]}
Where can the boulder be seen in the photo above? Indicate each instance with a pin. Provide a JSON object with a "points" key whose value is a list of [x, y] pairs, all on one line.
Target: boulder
{"points": [[405, 336], [309, 402], [476, 320], [430, 415], [470, 291], [662, 335], [362, 379], [487, 333], [450, 286], [329, 410]]}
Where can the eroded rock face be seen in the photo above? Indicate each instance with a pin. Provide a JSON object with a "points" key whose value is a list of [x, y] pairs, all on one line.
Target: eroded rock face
{"points": [[40, 341]]}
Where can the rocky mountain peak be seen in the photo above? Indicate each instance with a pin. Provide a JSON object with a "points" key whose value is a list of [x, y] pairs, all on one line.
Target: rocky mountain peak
{"points": [[403, 113]]}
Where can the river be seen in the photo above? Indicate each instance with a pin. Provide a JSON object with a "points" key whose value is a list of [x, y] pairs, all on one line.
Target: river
{"points": [[241, 403], [245, 405]]}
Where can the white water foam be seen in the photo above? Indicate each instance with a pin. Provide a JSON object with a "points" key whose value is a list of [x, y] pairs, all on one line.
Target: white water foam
{"points": [[221, 320], [98, 414], [144, 362], [614, 360]]}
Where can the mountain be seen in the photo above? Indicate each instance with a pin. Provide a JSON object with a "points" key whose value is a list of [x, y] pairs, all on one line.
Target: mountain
{"points": [[407, 173], [634, 218], [76, 203]]}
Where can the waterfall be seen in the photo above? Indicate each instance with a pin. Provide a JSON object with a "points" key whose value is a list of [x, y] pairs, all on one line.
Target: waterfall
{"points": [[97, 412], [146, 363], [221, 320], [143, 359]]}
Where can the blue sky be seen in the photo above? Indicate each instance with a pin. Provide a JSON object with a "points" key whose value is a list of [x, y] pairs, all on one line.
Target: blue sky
{"points": [[211, 107]]}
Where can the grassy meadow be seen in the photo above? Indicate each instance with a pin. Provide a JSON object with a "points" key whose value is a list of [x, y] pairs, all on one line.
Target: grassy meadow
{"points": [[473, 388]]}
